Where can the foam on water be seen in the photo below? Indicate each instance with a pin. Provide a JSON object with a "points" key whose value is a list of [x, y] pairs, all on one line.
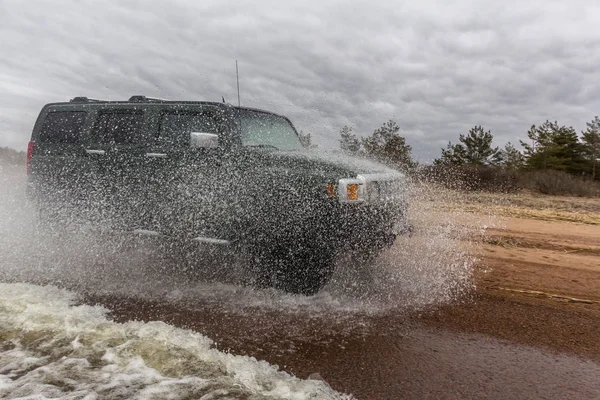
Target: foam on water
{"points": [[53, 348]]}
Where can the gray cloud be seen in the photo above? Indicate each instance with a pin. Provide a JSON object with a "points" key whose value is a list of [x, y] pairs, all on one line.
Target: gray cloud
{"points": [[436, 69]]}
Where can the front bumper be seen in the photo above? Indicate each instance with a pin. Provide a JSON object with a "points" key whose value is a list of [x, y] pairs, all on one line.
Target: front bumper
{"points": [[368, 226]]}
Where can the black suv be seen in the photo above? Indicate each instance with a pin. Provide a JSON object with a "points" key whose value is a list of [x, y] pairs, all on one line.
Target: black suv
{"points": [[210, 174]]}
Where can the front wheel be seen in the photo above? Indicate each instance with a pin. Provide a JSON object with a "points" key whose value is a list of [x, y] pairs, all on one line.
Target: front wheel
{"points": [[299, 272]]}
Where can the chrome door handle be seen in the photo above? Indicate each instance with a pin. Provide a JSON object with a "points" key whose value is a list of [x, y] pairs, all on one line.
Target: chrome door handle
{"points": [[92, 151]]}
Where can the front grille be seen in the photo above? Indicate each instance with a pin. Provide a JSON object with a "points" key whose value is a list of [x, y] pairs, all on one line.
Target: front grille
{"points": [[389, 190], [384, 188]]}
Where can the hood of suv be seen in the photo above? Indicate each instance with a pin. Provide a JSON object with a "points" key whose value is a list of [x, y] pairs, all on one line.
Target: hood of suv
{"points": [[327, 164]]}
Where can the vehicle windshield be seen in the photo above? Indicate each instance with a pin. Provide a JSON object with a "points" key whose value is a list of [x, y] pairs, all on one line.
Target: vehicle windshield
{"points": [[262, 129]]}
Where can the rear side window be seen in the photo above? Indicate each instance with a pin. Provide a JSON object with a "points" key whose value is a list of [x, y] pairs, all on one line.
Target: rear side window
{"points": [[118, 127], [62, 127], [176, 126]]}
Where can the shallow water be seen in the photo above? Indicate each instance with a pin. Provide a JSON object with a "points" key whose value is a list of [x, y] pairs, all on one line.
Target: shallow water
{"points": [[382, 356], [54, 349], [361, 333]]}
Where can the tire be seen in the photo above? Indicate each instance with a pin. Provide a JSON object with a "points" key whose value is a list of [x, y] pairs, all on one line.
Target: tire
{"points": [[301, 272], [199, 263]]}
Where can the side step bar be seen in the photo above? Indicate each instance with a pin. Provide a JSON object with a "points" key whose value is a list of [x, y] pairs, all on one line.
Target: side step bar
{"points": [[200, 239], [203, 239], [146, 232]]}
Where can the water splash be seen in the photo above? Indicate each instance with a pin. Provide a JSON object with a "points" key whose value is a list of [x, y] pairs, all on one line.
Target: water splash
{"points": [[432, 266], [55, 349]]}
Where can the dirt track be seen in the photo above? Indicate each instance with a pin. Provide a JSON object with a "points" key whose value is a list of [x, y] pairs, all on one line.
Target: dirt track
{"points": [[538, 283], [556, 257]]}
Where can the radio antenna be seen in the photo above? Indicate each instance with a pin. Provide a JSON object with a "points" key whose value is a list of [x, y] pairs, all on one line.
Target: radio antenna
{"points": [[237, 77]]}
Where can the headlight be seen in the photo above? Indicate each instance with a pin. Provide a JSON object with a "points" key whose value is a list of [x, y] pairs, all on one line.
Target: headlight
{"points": [[369, 187]]}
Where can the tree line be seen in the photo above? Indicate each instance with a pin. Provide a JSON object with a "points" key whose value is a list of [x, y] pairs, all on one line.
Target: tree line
{"points": [[385, 144], [10, 156], [549, 146]]}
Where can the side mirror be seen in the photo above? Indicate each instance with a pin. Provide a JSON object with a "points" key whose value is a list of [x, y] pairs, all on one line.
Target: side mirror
{"points": [[204, 140]]}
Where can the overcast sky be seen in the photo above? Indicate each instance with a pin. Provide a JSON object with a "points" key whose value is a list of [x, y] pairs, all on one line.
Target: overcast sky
{"points": [[435, 67]]}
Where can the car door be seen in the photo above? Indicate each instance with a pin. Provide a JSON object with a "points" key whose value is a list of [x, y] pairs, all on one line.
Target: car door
{"points": [[117, 148], [187, 185]]}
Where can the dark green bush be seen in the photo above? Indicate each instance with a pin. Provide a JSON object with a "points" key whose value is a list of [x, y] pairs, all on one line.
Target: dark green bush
{"points": [[554, 182], [470, 177], [497, 179]]}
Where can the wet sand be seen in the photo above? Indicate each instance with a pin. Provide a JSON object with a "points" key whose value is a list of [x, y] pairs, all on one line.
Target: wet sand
{"points": [[531, 329]]}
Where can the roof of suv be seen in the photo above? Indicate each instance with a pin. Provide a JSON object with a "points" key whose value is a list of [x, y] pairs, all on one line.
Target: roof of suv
{"points": [[140, 99], [132, 100]]}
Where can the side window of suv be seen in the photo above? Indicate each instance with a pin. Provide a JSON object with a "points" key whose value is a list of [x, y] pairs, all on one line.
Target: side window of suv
{"points": [[118, 127], [176, 126], [62, 127]]}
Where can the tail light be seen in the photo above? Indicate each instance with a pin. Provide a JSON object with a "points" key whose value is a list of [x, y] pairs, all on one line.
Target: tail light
{"points": [[30, 147]]}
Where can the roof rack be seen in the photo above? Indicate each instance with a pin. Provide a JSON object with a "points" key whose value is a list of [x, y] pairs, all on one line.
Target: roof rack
{"points": [[144, 99], [83, 99]]}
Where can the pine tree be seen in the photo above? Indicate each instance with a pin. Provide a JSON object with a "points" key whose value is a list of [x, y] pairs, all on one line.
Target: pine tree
{"points": [[538, 152], [386, 145], [567, 152], [511, 158], [349, 143], [554, 147], [591, 144], [474, 148], [454, 154]]}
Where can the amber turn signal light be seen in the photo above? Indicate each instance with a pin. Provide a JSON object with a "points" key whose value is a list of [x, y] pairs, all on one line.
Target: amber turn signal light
{"points": [[352, 191], [330, 187]]}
